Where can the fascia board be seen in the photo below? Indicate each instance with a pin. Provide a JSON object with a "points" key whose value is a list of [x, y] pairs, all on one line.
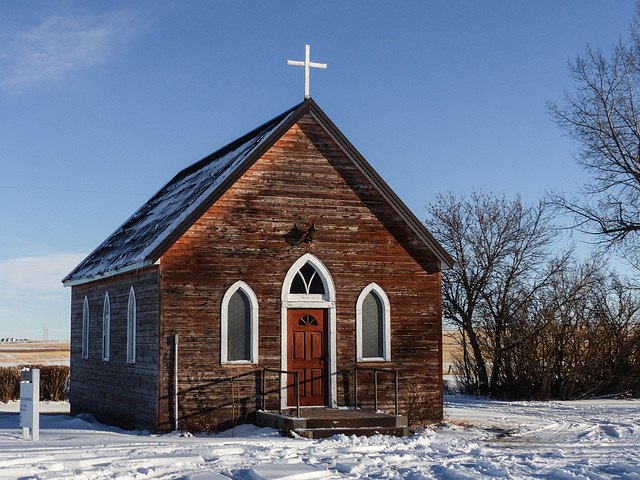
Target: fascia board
{"points": [[110, 273]]}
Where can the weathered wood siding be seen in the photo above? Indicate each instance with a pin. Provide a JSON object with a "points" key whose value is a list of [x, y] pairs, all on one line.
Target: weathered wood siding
{"points": [[361, 239], [114, 391]]}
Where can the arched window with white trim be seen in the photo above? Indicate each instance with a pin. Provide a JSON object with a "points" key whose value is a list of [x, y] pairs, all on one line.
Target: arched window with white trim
{"points": [[307, 281], [131, 327], [106, 327], [239, 325], [85, 328], [373, 329]]}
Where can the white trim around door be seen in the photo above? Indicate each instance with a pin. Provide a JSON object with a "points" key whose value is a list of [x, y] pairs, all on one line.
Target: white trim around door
{"points": [[326, 300]]}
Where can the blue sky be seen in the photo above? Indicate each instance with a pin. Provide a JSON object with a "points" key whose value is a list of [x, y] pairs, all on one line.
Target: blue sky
{"points": [[101, 103]]}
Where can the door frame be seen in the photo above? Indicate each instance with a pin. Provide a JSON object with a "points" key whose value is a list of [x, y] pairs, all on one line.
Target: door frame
{"points": [[314, 301], [292, 323]]}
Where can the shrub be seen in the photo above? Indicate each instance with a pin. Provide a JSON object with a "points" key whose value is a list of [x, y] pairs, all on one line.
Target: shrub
{"points": [[9, 384], [54, 382]]}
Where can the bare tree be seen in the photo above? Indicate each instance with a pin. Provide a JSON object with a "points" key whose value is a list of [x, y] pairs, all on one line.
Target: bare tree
{"points": [[501, 249], [589, 343], [603, 116], [549, 360]]}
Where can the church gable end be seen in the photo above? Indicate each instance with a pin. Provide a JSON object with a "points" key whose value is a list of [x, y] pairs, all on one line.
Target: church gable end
{"points": [[211, 259], [249, 236]]}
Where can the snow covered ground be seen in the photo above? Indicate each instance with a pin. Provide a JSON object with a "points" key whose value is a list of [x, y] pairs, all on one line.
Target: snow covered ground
{"points": [[593, 439]]}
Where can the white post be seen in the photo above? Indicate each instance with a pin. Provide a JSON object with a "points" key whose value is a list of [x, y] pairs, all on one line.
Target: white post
{"points": [[30, 403], [175, 382], [35, 379]]}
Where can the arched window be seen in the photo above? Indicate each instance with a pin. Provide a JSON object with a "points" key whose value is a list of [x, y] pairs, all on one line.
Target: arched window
{"points": [[373, 330], [239, 325], [106, 327], [131, 327], [307, 281], [85, 328]]}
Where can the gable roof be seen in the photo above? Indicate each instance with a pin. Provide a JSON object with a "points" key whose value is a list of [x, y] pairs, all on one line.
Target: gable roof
{"points": [[161, 221]]}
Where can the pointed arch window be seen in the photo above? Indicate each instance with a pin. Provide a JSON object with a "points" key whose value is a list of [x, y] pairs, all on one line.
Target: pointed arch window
{"points": [[106, 327], [131, 327], [307, 281], [239, 325], [373, 330], [85, 328]]}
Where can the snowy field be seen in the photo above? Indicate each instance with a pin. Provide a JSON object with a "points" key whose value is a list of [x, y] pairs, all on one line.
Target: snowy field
{"points": [[594, 439]]}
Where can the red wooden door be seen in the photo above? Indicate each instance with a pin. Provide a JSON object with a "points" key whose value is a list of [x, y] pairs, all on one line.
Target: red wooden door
{"points": [[307, 355]]}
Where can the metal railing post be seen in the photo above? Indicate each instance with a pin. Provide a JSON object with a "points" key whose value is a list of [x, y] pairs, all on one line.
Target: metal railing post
{"points": [[396, 392], [280, 393], [375, 385], [280, 373], [297, 395], [375, 390], [264, 389], [355, 386]]}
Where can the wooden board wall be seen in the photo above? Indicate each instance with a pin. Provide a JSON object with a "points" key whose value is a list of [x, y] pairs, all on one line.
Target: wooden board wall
{"points": [[302, 178], [114, 391]]}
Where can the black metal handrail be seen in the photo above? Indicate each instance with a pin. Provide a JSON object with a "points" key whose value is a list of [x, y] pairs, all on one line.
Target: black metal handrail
{"points": [[375, 384], [264, 388]]}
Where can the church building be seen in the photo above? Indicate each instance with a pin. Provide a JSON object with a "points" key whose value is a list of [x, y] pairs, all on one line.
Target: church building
{"points": [[282, 252]]}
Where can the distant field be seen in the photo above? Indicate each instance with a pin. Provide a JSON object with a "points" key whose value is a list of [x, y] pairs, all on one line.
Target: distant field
{"points": [[449, 348], [34, 353]]}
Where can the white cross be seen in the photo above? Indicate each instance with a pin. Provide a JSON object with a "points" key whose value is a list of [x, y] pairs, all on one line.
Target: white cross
{"points": [[306, 64]]}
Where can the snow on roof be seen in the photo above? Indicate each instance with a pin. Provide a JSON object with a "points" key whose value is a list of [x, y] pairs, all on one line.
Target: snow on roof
{"points": [[138, 241]]}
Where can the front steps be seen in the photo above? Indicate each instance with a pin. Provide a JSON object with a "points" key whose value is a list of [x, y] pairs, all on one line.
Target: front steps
{"points": [[326, 422]]}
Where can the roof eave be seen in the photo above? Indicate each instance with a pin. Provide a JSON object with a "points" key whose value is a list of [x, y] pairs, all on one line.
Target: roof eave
{"points": [[110, 273]]}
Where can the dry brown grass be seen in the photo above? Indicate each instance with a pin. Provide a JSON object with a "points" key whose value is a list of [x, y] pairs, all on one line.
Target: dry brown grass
{"points": [[450, 349], [30, 352]]}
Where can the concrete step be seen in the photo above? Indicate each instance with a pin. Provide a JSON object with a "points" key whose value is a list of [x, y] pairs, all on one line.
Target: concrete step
{"points": [[358, 431], [342, 421], [325, 422]]}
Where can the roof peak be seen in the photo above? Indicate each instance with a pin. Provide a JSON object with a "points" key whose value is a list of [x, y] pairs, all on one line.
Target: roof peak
{"points": [[165, 217]]}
